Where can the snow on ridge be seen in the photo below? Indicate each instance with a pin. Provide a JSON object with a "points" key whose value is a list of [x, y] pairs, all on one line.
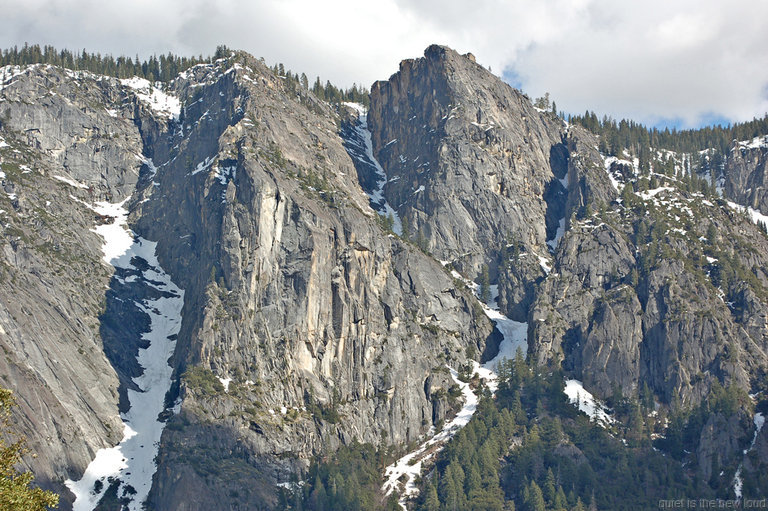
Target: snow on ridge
{"points": [[157, 99], [132, 461], [755, 143], [756, 216]]}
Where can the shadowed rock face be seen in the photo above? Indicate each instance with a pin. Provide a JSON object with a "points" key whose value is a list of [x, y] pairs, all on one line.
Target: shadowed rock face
{"points": [[745, 175], [325, 327]]}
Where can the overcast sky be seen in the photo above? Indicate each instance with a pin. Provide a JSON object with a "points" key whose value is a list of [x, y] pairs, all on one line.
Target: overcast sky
{"points": [[675, 62]]}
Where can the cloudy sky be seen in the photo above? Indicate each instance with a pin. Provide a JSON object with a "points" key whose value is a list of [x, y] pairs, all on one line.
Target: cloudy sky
{"points": [[662, 62]]}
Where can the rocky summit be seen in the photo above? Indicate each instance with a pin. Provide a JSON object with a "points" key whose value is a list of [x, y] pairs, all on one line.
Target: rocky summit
{"points": [[218, 286]]}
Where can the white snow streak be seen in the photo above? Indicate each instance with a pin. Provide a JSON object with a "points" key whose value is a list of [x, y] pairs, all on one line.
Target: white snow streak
{"points": [[514, 337], [410, 464], [70, 182], [377, 195], [759, 421], [132, 461]]}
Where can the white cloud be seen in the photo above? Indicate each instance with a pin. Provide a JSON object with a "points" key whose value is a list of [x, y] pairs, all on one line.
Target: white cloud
{"points": [[657, 59]]}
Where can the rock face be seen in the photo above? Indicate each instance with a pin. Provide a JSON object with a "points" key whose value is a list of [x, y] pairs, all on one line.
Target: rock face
{"points": [[483, 177], [64, 146], [306, 323], [467, 157], [474, 168], [632, 294], [327, 326], [745, 174]]}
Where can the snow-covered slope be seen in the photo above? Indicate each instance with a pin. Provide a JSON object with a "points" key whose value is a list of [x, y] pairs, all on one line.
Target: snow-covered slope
{"points": [[131, 463]]}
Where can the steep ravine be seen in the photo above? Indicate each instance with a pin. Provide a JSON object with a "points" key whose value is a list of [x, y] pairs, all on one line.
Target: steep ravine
{"points": [[401, 475], [125, 471]]}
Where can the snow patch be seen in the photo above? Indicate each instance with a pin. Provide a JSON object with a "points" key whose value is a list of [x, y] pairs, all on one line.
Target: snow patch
{"points": [[160, 101], [225, 382], [586, 402], [653, 193], [756, 216], [70, 182], [546, 264], [224, 173], [148, 162], [514, 333], [203, 165]]}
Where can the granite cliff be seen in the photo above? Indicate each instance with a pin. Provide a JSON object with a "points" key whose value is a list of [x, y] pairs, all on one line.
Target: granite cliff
{"points": [[310, 320]]}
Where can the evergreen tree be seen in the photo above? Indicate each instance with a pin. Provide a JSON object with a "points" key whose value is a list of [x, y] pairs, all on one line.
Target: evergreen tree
{"points": [[485, 284], [431, 502], [534, 499]]}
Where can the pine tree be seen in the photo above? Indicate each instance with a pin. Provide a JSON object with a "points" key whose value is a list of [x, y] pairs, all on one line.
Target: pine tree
{"points": [[431, 502], [318, 497], [485, 284], [534, 499]]}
